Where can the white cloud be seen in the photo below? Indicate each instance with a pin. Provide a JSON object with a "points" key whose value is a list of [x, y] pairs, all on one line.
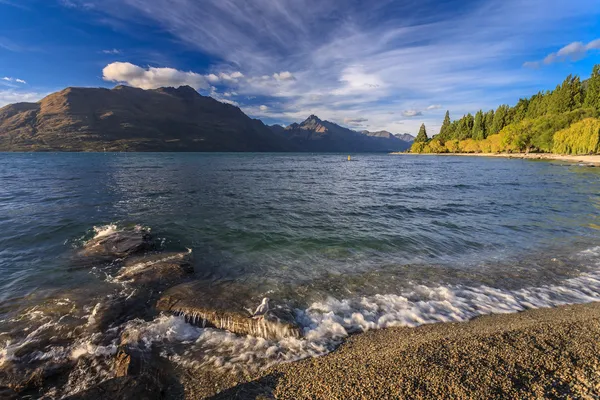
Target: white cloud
{"points": [[434, 107], [263, 108], [365, 59], [111, 51], [574, 51], [411, 113], [152, 78], [17, 80], [284, 76], [10, 97], [532, 64], [355, 121]]}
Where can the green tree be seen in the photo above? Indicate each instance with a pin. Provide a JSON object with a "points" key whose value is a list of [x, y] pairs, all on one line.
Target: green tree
{"points": [[488, 122], [592, 94], [519, 112], [567, 96], [478, 126], [444, 130], [499, 119], [422, 136], [464, 130]]}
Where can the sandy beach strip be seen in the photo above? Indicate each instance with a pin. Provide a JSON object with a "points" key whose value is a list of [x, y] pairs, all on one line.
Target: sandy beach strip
{"points": [[587, 159], [545, 353]]}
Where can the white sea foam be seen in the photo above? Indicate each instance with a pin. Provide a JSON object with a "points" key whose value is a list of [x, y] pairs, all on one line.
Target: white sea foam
{"points": [[328, 322], [105, 230]]}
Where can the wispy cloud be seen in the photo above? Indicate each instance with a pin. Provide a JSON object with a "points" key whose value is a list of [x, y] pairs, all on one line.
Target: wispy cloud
{"points": [[111, 51], [355, 122], [17, 80], [12, 3], [337, 58], [574, 51], [411, 113], [9, 97]]}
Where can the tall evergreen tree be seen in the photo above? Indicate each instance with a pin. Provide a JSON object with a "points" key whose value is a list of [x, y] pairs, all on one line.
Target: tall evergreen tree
{"points": [[592, 93], [499, 119], [567, 96], [444, 130], [519, 112], [422, 136], [488, 122], [478, 126]]}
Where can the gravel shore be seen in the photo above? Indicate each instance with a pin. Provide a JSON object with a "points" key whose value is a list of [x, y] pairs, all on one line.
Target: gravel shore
{"points": [[593, 160], [546, 353]]}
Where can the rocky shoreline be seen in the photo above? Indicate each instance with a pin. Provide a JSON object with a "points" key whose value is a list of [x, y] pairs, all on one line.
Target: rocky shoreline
{"points": [[543, 353], [100, 351], [591, 160]]}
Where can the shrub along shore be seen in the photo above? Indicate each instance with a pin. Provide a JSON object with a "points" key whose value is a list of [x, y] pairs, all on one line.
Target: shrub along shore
{"points": [[563, 121]]}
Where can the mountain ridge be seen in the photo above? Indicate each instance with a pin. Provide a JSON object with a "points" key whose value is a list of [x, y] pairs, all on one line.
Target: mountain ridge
{"points": [[125, 118]]}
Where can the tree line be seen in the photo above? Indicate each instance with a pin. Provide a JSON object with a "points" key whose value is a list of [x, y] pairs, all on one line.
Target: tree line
{"points": [[532, 125]]}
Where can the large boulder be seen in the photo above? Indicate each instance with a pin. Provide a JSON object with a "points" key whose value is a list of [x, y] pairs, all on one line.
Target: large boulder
{"points": [[119, 244], [228, 306], [156, 269]]}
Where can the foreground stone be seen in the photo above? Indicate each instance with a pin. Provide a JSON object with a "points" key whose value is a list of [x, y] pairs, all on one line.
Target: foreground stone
{"points": [[228, 306], [157, 269], [119, 244]]}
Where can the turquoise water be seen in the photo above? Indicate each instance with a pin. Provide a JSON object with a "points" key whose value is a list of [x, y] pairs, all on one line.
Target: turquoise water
{"points": [[380, 241]]}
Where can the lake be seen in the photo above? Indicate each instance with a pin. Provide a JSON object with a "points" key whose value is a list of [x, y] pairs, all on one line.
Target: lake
{"points": [[378, 241]]}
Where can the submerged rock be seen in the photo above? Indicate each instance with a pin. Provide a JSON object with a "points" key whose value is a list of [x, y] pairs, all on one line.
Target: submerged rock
{"points": [[228, 306], [157, 269], [119, 244], [123, 388]]}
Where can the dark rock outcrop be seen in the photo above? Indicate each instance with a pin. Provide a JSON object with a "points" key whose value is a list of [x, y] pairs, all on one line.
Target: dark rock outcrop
{"points": [[162, 269], [118, 244], [228, 306]]}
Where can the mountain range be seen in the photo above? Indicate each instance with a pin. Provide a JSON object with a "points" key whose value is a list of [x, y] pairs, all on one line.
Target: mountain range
{"points": [[168, 119]]}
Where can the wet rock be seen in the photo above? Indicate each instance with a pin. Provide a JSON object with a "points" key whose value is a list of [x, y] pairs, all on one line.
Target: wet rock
{"points": [[228, 306], [138, 374], [7, 393], [157, 269], [119, 244], [126, 387], [23, 379]]}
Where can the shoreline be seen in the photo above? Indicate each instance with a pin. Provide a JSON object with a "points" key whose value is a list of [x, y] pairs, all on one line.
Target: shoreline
{"points": [[540, 353], [587, 159]]}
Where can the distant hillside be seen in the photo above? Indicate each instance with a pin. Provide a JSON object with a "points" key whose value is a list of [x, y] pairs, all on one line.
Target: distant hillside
{"points": [[407, 137], [323, 136], [130, 119], [166, 119]]}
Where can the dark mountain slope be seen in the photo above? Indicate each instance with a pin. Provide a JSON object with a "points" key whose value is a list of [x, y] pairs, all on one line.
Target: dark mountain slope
{"points": [[125, 118]]}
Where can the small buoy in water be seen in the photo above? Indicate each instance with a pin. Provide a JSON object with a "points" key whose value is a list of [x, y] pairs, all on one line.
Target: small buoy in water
{"points": [[348, 158]]}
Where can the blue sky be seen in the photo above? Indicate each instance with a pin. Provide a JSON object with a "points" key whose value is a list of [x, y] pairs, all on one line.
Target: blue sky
{"points": [[364, 64]]}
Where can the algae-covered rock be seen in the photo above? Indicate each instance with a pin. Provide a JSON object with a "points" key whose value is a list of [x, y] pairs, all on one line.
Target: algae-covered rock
{"points": [[119, 244], [159, 268], [228, 306]]}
